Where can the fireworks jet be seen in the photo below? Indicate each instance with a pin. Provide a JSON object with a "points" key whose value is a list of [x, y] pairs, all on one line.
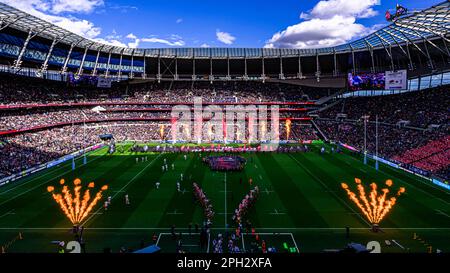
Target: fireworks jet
{"points": [[376, 205], [288, 128], [74, 204]]}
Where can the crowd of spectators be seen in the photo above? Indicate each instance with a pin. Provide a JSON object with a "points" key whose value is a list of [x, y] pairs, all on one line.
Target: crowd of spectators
{"points": [[420, 109], [23, 151], [393, 142], [433, 157], [23, 90]]}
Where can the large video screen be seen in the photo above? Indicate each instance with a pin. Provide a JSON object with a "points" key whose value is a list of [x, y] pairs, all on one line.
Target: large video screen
{"points": [[366, 81]]}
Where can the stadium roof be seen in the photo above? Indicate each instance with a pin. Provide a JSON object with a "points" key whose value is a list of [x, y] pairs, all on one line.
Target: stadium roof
{"points": [[427, 25]]}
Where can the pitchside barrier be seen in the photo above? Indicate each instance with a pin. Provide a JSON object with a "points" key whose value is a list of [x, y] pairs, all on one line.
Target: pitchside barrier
{"points": [[48, 165]]}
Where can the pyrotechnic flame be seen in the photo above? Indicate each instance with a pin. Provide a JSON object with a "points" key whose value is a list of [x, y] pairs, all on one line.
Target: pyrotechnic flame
{"points": [[76, 207], [376, 206], [288, 128], [161, 131]]}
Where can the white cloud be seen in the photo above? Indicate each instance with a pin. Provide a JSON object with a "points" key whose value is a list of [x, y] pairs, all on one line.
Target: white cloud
{"points": [[82, 6], [225, 37], [345, 8], [179, 21], [131, 36], [329, 23], [112, 42], [164, 41], [204, 45], [173, 40]]}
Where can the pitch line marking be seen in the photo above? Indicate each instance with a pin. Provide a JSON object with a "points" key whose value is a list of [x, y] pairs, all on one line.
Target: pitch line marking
{"points": [[209, 241], [225, 180], [268, 229], [440, 212], [126, 185], [11, 212], [399, 245], [295, 243], [175, 212], [27, 191], [276, 212]]}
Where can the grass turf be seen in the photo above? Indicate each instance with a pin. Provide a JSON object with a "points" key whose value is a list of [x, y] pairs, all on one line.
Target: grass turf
{"points": [[301, 203]]}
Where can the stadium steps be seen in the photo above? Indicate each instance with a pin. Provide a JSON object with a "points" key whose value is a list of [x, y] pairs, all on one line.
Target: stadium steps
{"points": [[320, 131]]}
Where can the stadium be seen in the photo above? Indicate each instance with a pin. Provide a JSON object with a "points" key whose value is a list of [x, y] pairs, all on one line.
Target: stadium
{"points": [[115, 149]]}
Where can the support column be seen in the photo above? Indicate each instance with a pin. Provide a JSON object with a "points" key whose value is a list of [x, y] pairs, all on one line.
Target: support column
{"points": [[335, 71], [132, 65], [94, 72], [18, 62], [44, 66], [228, 65], [300, 73], [193, 65], [119, 74], [281, 76], [144, 74], [211, 76], [176, 67], [158, 76], [428, 55], [66, 62], [108, 65], [353, 59], [80, 69], [245, 65], [263, 75], [318, 73]]}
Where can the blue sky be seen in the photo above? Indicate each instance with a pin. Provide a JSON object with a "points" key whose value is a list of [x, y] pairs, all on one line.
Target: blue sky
{"points": [[209, 23]]}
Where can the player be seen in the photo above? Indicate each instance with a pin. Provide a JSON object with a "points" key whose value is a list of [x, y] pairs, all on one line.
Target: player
{"points": [[178, 186], [250, 181], [322, 150], [165, 161], [109, 199], [181, 176], [106, 205], [162, 168], [127, 200], [137, 160], [173, 166], [185, 157], [157, 185]]}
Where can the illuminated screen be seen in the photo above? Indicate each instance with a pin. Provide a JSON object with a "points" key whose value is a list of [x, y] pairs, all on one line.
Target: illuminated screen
{"points": [[366, 81]]}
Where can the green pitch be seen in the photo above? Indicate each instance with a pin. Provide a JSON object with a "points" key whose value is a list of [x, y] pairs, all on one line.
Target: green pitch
{"points": [[301, 205]]}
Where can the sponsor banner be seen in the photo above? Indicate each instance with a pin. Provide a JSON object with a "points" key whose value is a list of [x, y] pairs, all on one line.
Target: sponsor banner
{"points": [[351, 148], [396, 80], [387, 162], [440, 183]]}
